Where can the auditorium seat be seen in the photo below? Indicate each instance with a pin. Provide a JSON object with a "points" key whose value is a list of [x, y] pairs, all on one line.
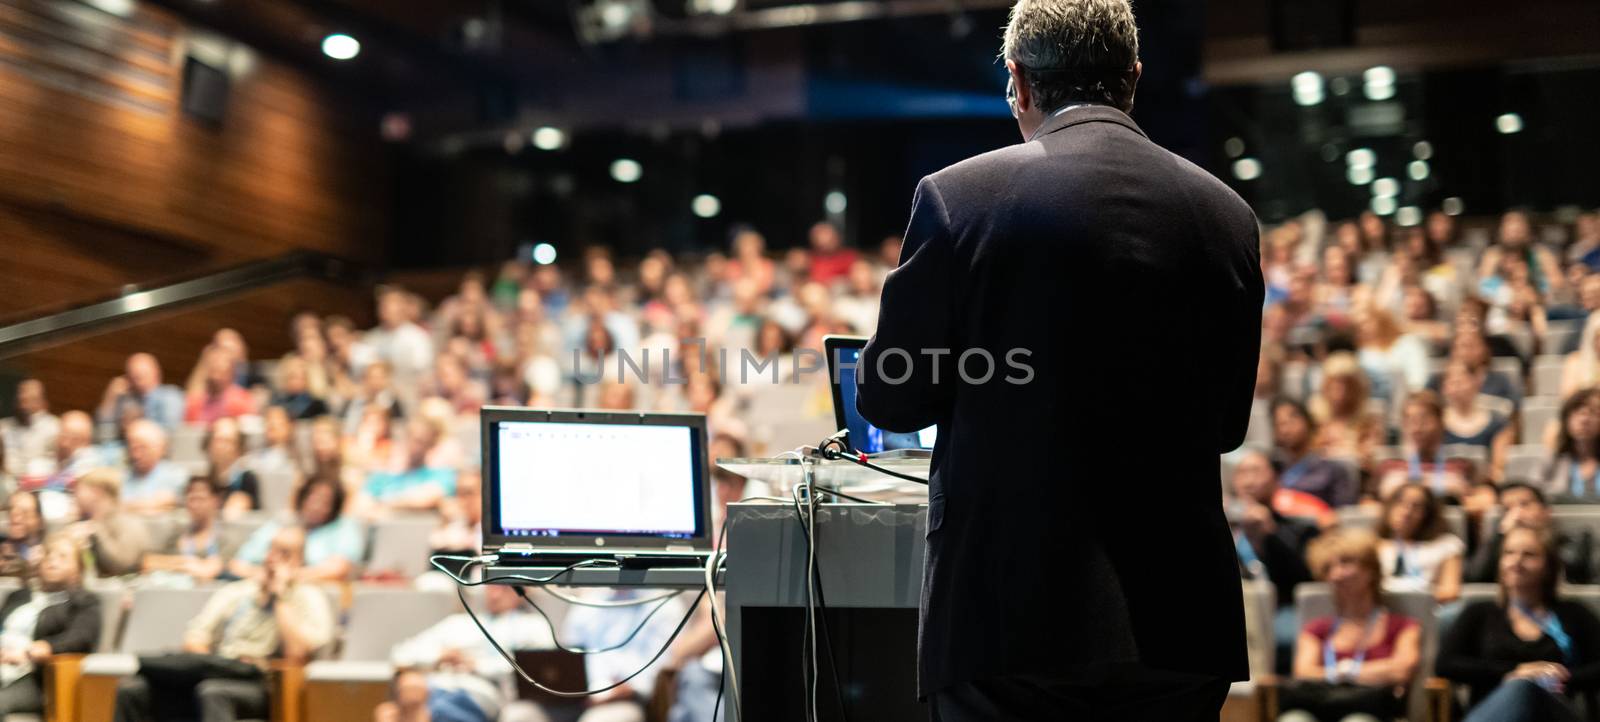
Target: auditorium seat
{"points": [[400, 545], [1537, 413], [187, 444], [1511, 368], [276, 489], [1362, 517], [1547, 372], [1557, 335], [155, 623], [380, 618], [1526, 462]]}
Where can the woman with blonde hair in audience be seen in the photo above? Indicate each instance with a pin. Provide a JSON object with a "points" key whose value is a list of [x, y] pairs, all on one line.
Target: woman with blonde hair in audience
{"points": [[1574, 473], [1334, 292], [293, 389], [1470, 423], [1346, 428], [1383, 349], [1526, 655], [1418, 552], [1355, 664], [1582, 367]]}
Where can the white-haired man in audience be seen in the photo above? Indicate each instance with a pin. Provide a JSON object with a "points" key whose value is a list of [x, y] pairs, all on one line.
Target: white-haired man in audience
{"points": [[139, 384], [29, 434], [463, 666], [153, 483], [75, 454], [219, 676]]}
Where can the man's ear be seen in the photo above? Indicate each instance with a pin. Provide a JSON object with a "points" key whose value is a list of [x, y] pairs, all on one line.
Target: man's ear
{"points": [[1024, 93], [1133, 84]]}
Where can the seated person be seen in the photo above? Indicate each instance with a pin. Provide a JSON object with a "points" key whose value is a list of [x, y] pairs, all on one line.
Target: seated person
{"points": [[1574, 474], [459, 659], [414, 486], [198, 553], [411, 699], [1523, 505], [242, 626], [1470, 423], [56, 616], [461, 517], [214, 390], [1422, 437], [224, 445], [20, 550], [1524, 656], [115, 540], [333, 542], [294, 390], [1293, 438], [277, 454], [1271, 544], [153, 483], [591, 627], [1417, 550], [1362, 644], [75, 454]]}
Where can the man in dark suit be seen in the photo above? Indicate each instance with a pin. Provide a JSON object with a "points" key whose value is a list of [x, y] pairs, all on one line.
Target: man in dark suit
{"points": [[55, 617], [1080, 314]]}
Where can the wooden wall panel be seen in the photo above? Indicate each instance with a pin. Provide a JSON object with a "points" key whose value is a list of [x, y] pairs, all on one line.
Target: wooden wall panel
{"points": [[75, 373]]}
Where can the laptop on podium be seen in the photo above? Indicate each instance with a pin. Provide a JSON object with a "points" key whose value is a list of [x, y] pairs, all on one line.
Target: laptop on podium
{"points": [[560, 487]]}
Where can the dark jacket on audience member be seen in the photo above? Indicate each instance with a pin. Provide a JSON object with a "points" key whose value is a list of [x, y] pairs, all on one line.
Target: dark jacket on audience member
{"points": [[72, 626], [1283, 553], [1576, 556], [1086, 256], [1480, 648]]}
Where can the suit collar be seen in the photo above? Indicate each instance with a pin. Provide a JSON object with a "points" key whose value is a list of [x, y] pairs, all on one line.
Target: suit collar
{"points": [[1087, 113]]}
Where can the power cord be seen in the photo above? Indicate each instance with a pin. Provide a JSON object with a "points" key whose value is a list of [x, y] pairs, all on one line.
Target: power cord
{"points": [[834, 448]]}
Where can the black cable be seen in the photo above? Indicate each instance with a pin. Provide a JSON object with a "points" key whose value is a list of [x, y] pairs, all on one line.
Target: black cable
{"points": [[552, 625], [462, 595], [722, 678], [827, 637], [834, 448]]}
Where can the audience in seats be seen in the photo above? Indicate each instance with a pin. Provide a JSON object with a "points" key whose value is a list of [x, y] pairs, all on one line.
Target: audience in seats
{"points": [[115, 539], [1346, 427], [220, 676], [1423, 461], [376, 392], [461, 517], [1525, 656], [1418, 551], [411, 485], [1361, 659], [1304, 468], [140, 385], [598, 627], [460, 662], [22, 545], [1524, 505], [216, 392], [29, 434], [294, 389], [277, 455], [224, 449], [331, 545], [1469, 423], [1574, 472], [1272, 544], [153, 482], [54, 615], [198, 554], [75, 455]]}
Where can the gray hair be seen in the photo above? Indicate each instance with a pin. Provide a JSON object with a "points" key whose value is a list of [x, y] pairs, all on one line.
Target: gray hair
{"points": [[1074, 50]]}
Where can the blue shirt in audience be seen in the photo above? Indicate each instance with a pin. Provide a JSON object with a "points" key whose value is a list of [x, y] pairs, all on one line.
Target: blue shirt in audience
{"points": [[341, 537], [385, 485], [164, 476]]}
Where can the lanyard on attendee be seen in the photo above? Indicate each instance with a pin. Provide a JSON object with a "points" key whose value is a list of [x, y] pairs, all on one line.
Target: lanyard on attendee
{"points": [[1247, 551], [1550, 624], [1579, 485], [1405, 561], [1415, 471], [1330, 660]]}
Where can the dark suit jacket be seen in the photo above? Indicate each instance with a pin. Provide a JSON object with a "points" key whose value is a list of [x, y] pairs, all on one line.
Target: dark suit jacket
{"points": [[1283, 553], [70, 627], [1074, 520]]}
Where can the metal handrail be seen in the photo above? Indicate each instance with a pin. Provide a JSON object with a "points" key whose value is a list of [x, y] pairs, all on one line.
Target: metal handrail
{"points": [[133, 302]]}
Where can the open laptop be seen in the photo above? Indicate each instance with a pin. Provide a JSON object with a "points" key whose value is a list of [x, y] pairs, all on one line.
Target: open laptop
{"points": [[563, 486], [844, 352]]}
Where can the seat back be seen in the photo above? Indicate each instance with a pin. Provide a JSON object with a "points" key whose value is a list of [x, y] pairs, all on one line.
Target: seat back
{"points": [[1526, 462], [1537, 414], [1547, 373], [381, 618], [1260, 608], [187, 444], [111, 608], [401, 545], [275, 487], [159, 617]]}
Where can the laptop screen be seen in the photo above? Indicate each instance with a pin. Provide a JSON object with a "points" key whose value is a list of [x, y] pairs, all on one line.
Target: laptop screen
{"points": [[553, 478], [844, 355]]}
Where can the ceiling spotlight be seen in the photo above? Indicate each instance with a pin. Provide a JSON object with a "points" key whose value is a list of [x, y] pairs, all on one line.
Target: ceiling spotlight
{"points": [[1234, 147], [1417, 170], [1307, 88], [548, 138], [1359, 175], [1383, 205], [544, 254], [340, 46], [1422, 149], [713, 7], [1378, 82], [1247, 169], [706, 205], [835, 202], [1408, 215], [1361, 158], [626, 170], [1508, 123], [1386, 187], [1452, 206]]}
